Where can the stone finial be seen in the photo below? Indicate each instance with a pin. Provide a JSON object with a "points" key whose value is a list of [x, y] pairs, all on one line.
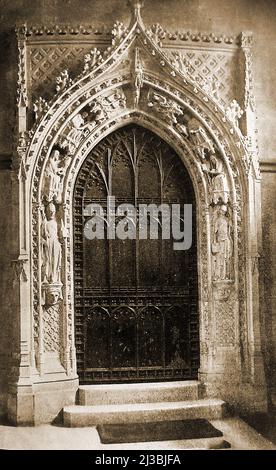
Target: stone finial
{"points": [[135, 6], [246, 39]]}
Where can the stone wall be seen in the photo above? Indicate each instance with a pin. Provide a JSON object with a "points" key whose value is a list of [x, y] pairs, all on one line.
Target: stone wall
{"points": [[5, 283], [269, 276], [218, 16]]}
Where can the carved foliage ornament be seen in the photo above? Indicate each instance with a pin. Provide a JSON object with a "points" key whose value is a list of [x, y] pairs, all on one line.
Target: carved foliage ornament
{"points": [[21, 81], [19, 269]]}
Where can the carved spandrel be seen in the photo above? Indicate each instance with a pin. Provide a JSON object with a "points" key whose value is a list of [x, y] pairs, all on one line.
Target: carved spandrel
{"points": [[214, 71]]}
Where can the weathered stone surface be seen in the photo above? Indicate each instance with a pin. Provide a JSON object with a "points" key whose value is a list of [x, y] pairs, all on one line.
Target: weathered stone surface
{"points": [[79, 416]]}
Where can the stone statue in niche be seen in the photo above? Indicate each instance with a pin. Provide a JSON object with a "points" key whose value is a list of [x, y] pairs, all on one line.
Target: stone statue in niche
{"points": [[222, 245], [218, 181], [168, 108], [211, 164], [51, 246], [54, 174], [234, 112], [138, 75]]}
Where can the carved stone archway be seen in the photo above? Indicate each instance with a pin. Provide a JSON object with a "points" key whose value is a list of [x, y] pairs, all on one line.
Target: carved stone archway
{"points": [[134, 81]]}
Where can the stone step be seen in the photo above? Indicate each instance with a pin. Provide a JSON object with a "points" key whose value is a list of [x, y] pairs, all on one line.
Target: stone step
{"points": [[79, 416], [116, 394], [209, 443]]}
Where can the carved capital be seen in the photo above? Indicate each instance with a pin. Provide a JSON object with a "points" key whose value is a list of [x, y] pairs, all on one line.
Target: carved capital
{"points": [[21, 32], [19, 269], [246, 39]]}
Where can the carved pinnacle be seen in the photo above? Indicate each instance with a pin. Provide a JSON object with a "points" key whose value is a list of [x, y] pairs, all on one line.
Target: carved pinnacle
{"points": [[135, 6]]}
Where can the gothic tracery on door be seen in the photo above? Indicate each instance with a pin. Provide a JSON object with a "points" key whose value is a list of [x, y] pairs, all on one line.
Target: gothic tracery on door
{"points": [[136, 301]]}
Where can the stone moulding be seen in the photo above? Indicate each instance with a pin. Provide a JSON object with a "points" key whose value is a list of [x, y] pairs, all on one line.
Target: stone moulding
{"points": [[155, 30], [114, 90]]}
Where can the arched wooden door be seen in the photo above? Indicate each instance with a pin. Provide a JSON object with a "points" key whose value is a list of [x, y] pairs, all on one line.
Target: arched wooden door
{"points": [[136, 300]]}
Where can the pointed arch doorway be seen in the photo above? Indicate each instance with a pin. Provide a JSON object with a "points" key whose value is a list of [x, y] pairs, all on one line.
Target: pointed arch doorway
{"points": [[136, 300]]}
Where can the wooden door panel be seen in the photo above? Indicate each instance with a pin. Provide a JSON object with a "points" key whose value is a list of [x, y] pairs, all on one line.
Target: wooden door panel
{"points": [[136, 301]]}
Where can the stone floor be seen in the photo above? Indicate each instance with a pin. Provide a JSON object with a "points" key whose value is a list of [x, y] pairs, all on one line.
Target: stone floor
{"points": [[48, 437]]}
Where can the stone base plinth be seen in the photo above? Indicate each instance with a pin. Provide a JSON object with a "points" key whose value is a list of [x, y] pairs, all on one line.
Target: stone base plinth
{"points": [[40, 402]]}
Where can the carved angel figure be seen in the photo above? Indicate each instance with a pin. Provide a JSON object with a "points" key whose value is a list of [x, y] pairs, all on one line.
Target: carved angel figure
{"points": [[77, 126], [222, 246], [200, 139], [51, 247], [168, 108]]}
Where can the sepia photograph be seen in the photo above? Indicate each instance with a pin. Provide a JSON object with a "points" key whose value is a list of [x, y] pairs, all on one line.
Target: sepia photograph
{"points": [[138, 228]]}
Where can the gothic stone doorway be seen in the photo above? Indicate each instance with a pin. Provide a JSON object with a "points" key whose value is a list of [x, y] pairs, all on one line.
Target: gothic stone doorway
{"points": [[136, 300]]}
